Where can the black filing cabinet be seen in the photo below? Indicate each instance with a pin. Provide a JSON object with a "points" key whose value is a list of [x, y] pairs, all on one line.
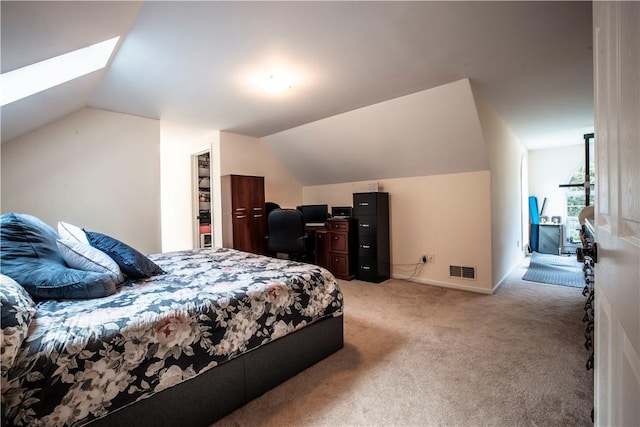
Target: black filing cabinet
{"points": [[371, 210]]}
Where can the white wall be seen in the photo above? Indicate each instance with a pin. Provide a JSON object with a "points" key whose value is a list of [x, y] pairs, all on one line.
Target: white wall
{"points": [[444, 215], [94, 168], [245, 155], [548, 169], [508, 216], [178, 144], [437, 130]]}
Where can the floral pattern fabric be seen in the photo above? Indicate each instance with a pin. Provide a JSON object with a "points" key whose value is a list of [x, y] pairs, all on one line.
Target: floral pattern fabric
{"points": [[85, 358], [18, 310]]}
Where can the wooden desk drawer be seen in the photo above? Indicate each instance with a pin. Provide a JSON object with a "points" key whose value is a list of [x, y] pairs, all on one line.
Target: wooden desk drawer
{"points": [[338, 225], [338, 242], [339, 265]]}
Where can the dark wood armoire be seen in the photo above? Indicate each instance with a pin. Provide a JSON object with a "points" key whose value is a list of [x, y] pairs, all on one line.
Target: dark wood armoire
{"points": [[243, 210]]}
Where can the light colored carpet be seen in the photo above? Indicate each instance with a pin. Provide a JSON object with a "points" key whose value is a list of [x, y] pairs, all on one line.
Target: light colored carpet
{"points": [[417, 355]]}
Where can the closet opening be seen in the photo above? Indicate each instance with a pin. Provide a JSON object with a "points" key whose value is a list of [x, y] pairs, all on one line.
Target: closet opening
{"points": [[203, 232]]}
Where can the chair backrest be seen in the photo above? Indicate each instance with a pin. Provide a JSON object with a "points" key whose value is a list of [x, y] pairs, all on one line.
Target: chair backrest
{"points": [[286, 231], [270, 206]]}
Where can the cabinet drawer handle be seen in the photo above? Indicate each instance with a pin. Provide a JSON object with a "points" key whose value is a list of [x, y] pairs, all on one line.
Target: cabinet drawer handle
{"points": [[257, 216], [241, 209], [335, 237], [363, 204], [365, 246], [365, 225], [365, 267], [257, 209], [337, 259], [241, 216]]}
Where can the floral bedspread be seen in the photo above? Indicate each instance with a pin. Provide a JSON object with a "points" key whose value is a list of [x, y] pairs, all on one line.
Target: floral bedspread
{"points": [[83, 359]]}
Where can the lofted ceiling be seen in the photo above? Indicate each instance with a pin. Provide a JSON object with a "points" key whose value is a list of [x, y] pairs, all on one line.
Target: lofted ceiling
{"points": [[195, 62]]}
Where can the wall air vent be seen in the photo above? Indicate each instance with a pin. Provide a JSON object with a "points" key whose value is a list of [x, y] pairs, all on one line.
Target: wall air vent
{"points": [[462, 272]]}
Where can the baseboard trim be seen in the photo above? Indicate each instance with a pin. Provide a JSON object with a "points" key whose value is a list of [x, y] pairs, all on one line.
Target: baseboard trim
{"points": [[506, 276], [443, 284]]}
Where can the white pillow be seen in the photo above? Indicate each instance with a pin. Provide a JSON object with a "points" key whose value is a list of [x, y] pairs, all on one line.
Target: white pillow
{"points": [[83, 256], [68, 231]]}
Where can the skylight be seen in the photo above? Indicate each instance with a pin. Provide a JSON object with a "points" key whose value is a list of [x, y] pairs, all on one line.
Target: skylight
{"points": [[25, 81]]}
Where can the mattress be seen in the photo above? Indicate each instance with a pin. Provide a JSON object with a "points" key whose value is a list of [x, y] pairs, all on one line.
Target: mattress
{"points": [[84, 359]]}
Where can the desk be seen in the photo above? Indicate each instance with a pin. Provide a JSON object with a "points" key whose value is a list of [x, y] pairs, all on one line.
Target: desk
{"points": [[334, 247], [313, 234]]}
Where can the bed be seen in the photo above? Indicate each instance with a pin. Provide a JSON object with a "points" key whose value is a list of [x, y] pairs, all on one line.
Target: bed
{"points": [[187, 347]]}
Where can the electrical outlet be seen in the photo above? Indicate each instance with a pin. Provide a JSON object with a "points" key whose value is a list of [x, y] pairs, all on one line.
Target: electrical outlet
{"points": [[431, 258]]}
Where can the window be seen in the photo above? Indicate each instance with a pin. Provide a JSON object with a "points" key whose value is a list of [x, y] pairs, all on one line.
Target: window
{"points": [[575, 198], [34, 78]]}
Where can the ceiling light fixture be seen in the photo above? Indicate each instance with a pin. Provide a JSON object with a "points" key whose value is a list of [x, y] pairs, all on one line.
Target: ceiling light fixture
{"points": [[25, 81], [277, 83]]}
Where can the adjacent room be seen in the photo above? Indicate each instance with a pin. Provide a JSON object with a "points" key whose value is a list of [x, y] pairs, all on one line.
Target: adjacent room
{"points": [[317, 213]]}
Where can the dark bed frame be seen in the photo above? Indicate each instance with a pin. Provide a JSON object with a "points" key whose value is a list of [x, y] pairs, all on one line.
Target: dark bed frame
{"points": [[206, 398]]}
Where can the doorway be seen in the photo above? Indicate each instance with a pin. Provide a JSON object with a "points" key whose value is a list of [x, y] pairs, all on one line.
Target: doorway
{"points": [[203, 233]]}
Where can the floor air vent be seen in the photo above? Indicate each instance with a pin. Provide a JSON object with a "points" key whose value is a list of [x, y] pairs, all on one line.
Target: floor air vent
{"points": [[463, 272]]}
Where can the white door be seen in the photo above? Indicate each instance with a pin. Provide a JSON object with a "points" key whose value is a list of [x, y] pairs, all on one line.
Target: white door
{"points": [[616, 32]]}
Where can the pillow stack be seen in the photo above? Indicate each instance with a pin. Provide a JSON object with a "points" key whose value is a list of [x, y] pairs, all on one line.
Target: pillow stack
{"points": [[71, 263], [78, 253]]}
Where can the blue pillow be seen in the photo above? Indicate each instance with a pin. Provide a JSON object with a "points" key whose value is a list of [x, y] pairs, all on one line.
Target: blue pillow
{"points": [[29, 255], [25, 236], [131, 261]]}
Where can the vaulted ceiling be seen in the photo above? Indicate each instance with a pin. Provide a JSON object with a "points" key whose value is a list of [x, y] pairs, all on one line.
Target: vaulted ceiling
{"points": [[193, 62]]}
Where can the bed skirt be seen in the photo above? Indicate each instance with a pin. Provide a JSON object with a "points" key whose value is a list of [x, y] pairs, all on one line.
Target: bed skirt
{"points": [[208, 397]]}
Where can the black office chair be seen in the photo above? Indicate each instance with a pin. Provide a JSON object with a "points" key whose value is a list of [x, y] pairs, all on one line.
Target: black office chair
{"points": [[286, 233], [270, 206]]}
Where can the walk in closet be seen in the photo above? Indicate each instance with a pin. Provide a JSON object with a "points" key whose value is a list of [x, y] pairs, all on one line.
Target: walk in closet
{"points": [[204, 200]]}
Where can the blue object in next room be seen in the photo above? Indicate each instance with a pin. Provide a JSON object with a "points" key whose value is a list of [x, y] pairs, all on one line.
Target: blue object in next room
{"points": [[534, 218]]}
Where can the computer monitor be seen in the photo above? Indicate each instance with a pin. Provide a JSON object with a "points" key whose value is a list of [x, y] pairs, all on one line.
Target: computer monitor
{"points": [[314, 214]]}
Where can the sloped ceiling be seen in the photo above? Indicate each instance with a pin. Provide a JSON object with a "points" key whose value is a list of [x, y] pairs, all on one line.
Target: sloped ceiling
{"points": [[192, 62], [440, 125], [35, 31]]}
